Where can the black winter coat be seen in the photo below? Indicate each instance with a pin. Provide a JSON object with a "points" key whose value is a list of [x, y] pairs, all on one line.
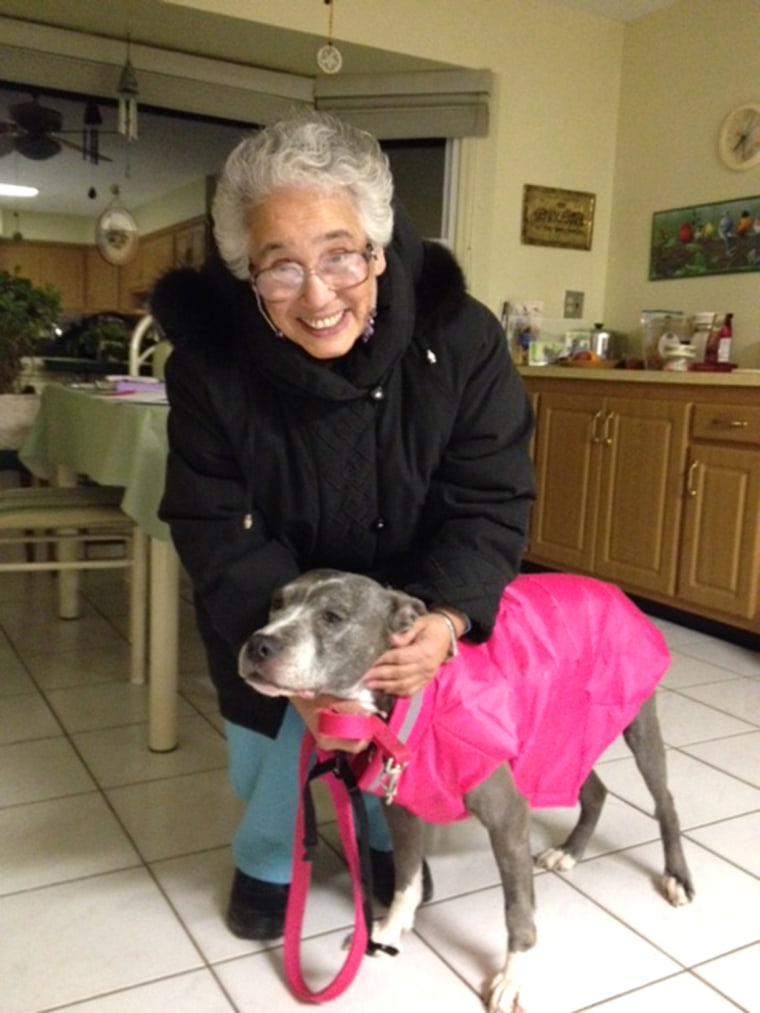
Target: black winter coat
{"points": [[407, 460]]}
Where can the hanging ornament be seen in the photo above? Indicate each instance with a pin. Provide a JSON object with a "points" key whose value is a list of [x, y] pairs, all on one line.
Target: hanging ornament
{"points": [[329, 58], [116, 235], [128, 92], [90, 136]]}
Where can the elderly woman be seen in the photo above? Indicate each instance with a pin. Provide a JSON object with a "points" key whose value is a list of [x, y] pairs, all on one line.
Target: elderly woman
{"points": [[337, 399]]}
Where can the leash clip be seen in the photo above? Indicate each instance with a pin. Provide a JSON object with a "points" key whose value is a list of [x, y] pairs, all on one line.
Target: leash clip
{"points": [[392, 771]]}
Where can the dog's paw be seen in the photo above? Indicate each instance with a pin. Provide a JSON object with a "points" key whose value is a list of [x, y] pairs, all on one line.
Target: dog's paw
{"points": [[386, 938], [676, 892], [504, 990], [555, 860]]}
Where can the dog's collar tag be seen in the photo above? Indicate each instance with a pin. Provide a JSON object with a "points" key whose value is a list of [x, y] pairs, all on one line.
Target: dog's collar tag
{"points": [[392, 771]]}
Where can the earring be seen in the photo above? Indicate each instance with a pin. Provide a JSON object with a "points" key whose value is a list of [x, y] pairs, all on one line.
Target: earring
{"points": [[369, 328]]}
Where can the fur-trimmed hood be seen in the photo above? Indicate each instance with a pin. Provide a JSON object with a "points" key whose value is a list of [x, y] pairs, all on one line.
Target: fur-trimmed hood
{"points": [[422, 289]]}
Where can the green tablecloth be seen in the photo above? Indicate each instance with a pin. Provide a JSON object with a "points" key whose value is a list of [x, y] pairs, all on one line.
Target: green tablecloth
{"points": [[114, 440]]}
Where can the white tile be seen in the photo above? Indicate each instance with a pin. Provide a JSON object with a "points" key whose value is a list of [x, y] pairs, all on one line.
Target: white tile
{"points": [[118, 756], [198, 887], [194, 992], [14, 678], [738, 755], [76, 940], [736, 975], [722, 917], [687, 670], [89, 632], [726, 655], [620, 826], [564, 971], [738, 840], [109, 705], [64, 839], [684, 720], [86, 667], [43, 769], [178, 815], [23, 718], [702, 794], [740, 697], [683, 992], [415, 980]]}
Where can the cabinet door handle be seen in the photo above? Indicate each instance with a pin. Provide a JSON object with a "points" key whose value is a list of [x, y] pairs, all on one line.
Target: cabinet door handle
{"points": [[729, 424], [595, 426], [606, 436], [691, 475]]}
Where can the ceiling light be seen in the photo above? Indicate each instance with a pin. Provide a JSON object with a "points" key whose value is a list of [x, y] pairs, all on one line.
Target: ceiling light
{"points": [[11, 190]]}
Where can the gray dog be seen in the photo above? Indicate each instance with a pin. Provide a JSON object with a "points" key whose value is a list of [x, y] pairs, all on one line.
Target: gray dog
{"points": [[327, 627]]}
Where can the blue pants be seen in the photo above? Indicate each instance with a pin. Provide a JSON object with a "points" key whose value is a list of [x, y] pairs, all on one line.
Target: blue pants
{"points": [[264, 774]]}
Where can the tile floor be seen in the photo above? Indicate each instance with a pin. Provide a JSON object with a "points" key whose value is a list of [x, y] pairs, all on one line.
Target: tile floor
{"points": [[114, 865]]}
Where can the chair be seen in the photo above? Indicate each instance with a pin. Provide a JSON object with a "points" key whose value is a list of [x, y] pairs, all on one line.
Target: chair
{"points": [[148, 345], [70, 517]]}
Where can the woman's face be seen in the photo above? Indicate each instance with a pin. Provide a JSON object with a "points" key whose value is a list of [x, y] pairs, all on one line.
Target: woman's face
{"points": [[304, 226]]}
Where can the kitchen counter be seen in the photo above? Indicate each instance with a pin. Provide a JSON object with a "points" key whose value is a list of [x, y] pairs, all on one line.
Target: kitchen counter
{"points": [[664, 377]]}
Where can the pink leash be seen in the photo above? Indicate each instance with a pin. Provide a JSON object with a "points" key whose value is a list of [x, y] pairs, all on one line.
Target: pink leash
{"points": [[341, 784]]}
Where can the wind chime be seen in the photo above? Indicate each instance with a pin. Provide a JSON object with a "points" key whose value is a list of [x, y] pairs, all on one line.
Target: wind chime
{"points": [[127, 92], [90, 135], [329, 57]]}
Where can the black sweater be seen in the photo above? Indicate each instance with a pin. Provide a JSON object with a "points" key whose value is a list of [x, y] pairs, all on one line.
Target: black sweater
{"points": [[407, 460]]}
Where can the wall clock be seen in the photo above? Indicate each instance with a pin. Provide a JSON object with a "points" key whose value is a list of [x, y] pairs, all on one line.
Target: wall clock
{"points": [[739, 140]]}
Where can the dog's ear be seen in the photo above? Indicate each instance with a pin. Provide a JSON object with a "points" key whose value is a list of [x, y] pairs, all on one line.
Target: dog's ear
{"points": [[404, 610]]}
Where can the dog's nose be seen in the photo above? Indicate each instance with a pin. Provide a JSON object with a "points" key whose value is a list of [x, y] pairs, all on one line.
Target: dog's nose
{"points": [[261, 647]]}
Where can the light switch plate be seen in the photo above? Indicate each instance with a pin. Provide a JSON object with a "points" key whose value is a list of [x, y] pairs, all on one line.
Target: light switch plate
{"points": [[573, 304]]}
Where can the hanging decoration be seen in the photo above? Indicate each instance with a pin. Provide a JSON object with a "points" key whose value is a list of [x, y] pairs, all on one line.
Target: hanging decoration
{"points": [[329, 58], [90, 134], [128, 92], [116, 235]]}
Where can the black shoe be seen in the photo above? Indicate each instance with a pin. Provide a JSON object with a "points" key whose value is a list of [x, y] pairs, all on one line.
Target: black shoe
{"points": [[256, 909], [384, 877]]}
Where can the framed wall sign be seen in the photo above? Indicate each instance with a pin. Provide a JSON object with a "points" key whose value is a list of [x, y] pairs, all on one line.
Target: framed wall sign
{"points": [[553, 217]]}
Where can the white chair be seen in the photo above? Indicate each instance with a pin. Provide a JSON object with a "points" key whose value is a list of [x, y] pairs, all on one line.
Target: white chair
{"points": [[69, 517], [148, 345]]}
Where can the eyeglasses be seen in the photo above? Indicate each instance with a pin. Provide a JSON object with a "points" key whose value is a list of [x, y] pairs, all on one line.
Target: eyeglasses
{"points": [[340, 270]]}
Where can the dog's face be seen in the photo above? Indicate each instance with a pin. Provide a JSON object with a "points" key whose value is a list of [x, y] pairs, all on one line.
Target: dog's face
{"points": [[325, 630]]}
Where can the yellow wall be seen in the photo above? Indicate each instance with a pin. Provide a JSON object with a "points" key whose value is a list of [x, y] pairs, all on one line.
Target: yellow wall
{"points": [[684, 69], [628, 112]]}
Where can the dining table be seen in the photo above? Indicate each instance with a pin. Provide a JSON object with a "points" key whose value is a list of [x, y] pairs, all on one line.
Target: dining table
{"points": [[117, 437]]}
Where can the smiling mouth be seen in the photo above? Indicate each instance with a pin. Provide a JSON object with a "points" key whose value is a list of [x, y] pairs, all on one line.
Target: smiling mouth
{"points": [[324, 323]]}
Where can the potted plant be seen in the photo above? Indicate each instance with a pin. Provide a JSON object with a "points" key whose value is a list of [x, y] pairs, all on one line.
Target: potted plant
{"points": [[27, 312]]}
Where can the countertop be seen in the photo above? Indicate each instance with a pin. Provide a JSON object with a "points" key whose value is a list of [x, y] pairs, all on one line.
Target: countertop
{"points": [[736, 378]]}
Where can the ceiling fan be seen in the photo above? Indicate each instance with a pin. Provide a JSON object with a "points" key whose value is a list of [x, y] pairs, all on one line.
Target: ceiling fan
{"points": [[36, 131]]}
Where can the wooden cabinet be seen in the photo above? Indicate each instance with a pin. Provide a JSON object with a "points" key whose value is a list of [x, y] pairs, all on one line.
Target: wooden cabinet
{"points": [[60, 265], [190, 244], [720, 554], [608, 475], [180, 246], [89, 284], [653, 485], [102, 292]]}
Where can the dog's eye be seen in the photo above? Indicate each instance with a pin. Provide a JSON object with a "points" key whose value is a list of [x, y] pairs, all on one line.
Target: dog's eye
{"points": [[331, 618], [277, 601]]}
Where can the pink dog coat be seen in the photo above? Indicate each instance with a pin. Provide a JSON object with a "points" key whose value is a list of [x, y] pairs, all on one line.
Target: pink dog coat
{"points": [[568, 665]]}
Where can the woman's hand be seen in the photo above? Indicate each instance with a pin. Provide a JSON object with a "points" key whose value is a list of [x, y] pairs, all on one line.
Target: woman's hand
{"points": [[413, 658]]}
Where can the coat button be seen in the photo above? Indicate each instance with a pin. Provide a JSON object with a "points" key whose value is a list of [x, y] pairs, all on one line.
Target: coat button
{"points": [[377, 394], [379, 524]]}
